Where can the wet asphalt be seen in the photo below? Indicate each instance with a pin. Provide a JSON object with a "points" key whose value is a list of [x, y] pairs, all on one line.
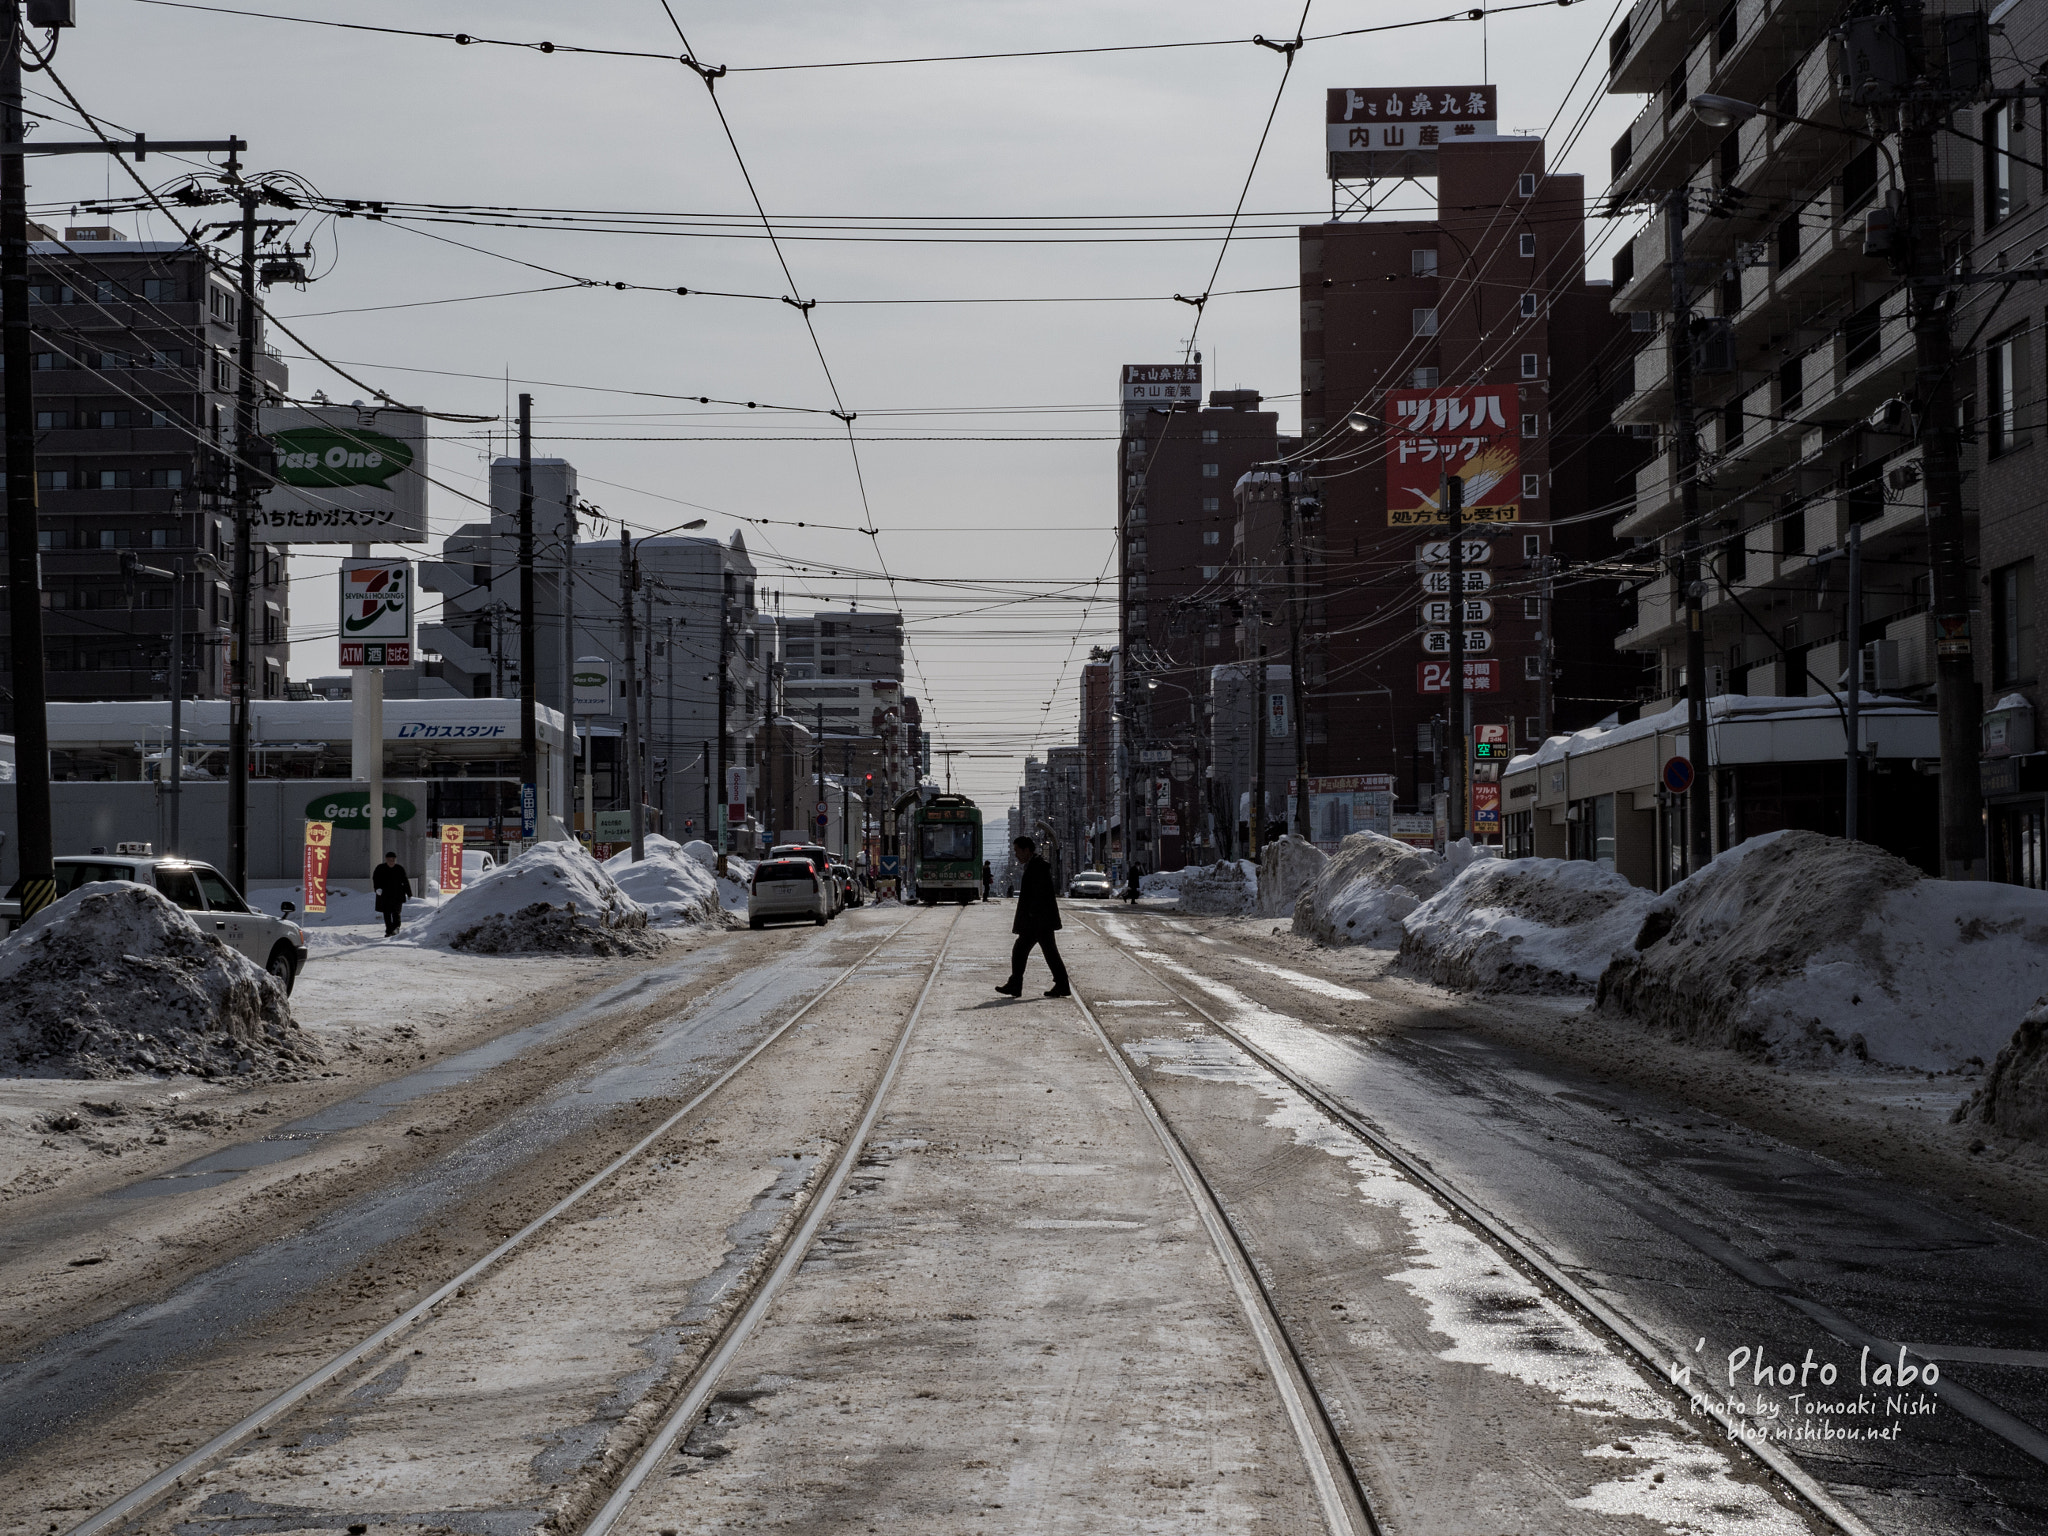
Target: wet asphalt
{"points": [[1714, 1239], [97, 1366]]}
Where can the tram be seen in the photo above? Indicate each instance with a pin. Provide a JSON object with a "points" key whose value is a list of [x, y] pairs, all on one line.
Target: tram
{"points": [[946, 850]]}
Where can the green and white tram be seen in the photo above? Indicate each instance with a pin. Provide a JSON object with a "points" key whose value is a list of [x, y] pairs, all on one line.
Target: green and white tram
{"points": [[946, 850]]}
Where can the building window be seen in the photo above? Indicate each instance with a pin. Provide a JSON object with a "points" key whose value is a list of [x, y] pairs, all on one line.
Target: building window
{"points": [[167, 479], [1735, 559], [1528, 245], [223, 373], [1532, 668], [1532, 546], [1211, 536], [1211, 572], [2012, 623], [1859, 180], [1998, 126], [1732, 422], [53, 480], [116, 479], [1531, 363], [1862, 335], [2002, 364], [1788, 239], [1527, 185], [52, 421], [1532, 426], [1532, 487], [1422, 322], [1212, 636], [1792, 534], [1210, 435], [1422, 263], [1424, 378], [1211, 471], [160, 290], [1212, 504], [1791, 384], [1528, 306]]}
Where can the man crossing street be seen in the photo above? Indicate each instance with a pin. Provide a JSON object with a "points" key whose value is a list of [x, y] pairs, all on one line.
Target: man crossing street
{"points": [[1037, 920], [393, 890]]}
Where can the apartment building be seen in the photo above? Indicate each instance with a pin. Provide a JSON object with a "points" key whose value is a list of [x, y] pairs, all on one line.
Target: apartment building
{"points": [[135, 378], [848, 644], [1804, 366], [1177, 462]]}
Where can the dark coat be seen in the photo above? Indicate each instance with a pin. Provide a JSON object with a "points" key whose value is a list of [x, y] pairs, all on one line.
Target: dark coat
{"points": [[1037, 909], [393, 889]]}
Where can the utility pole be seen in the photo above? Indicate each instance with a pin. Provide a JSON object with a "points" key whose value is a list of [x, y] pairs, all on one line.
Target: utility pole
{"points": [[1852, 788], [1453, 499], [1699, 817], [819, 757], [1546, 647], [725, 832], [1962, 811], [529, 640], [567, 588], [845, 803], [708, 833], [647, 671], [246, 491], [131, 567], [1295, 688], [33, 849], [629, 580]]}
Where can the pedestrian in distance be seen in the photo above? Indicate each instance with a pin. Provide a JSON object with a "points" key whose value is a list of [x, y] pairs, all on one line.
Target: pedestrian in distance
{"points": [[988, 880], [393, 890], [1131, 890], [1037, 920]]}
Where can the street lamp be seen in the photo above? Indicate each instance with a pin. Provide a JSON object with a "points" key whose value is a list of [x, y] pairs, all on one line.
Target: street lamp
{"points": [[1358, 421]]}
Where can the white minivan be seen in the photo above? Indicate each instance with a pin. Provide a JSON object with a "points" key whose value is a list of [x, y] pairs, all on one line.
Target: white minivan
{"points": [[788, 890]]}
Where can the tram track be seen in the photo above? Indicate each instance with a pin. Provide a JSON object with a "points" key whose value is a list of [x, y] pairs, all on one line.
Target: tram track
{"points": [[1504, 1238], [359, 1360]]}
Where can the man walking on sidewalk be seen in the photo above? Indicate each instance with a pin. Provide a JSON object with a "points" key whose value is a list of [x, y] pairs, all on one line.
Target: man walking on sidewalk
{"points": [[1037, 920], [393, 891]]}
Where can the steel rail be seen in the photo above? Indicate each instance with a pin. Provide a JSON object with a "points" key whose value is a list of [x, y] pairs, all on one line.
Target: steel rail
{"points": [[174, 1477], [684, 1414], [1347, 1507], [1522, 1249]]}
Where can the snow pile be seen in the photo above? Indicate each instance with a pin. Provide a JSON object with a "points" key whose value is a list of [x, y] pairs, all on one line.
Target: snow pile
{"points": [[671, 883], [737, 881], [1165, 883], [1287, 867], [2014, 1099], [1813, 949], [553, 897], [116, 978], [1363, 892], [1227, 888], [1531, 925]]}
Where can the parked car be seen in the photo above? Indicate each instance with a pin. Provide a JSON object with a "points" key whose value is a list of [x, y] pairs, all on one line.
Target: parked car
{"points": [[475, 865], [820, 860], [275, 943], [789, 889], [1090, 884], [849, 878]]}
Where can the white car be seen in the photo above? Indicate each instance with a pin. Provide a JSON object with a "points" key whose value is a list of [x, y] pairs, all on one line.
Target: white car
{"points": [[835, 887], [275, 943], [1090, 883], [788, 890]]}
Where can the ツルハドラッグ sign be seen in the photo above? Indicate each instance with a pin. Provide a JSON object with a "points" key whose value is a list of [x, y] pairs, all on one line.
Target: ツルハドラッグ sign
{"points": [[1469, 433], [345, 475]]}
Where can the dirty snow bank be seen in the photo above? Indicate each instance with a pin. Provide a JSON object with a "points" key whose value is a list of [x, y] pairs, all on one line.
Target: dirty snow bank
{"points": [[2014, 1098], [1531, 925], [1819, 951], [553, 897], [117, 978], [1287, 866], [1228, 888], [672, 884], [737, 882], [1363, 892]]}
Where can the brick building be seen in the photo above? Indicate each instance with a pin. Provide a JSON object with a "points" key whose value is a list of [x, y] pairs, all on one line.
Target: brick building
{"points": [[1487, 308]]}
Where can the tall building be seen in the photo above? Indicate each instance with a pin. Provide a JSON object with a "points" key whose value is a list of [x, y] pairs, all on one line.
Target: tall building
{"points": [[691, 589], [1470, 343], [1177, 462], [849, 644], [1799, 340], [134, 356]]}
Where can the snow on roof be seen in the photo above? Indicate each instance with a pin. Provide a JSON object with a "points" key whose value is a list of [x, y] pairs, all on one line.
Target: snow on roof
{"points": [[1725, 708]]}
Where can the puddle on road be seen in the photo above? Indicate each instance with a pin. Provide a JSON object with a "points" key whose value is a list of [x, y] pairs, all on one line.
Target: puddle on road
{"points": [[1498, 1319]]}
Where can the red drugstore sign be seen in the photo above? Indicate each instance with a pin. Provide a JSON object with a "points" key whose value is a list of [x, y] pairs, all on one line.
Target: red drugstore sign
{"points": [[1480, 677], [319, 845], [1470, 433], [1485, 805]]}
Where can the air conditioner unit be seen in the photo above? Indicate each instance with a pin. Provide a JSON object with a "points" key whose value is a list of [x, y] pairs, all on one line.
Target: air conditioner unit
{"points": [[1880, 666], [1642, 320]]}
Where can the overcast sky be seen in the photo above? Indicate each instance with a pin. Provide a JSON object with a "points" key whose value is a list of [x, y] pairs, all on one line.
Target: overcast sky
{"points": [[1016, 146]]}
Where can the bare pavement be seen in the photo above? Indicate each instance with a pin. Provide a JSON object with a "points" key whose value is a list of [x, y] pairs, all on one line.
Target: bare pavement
{"points": [[813, 1231]]}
